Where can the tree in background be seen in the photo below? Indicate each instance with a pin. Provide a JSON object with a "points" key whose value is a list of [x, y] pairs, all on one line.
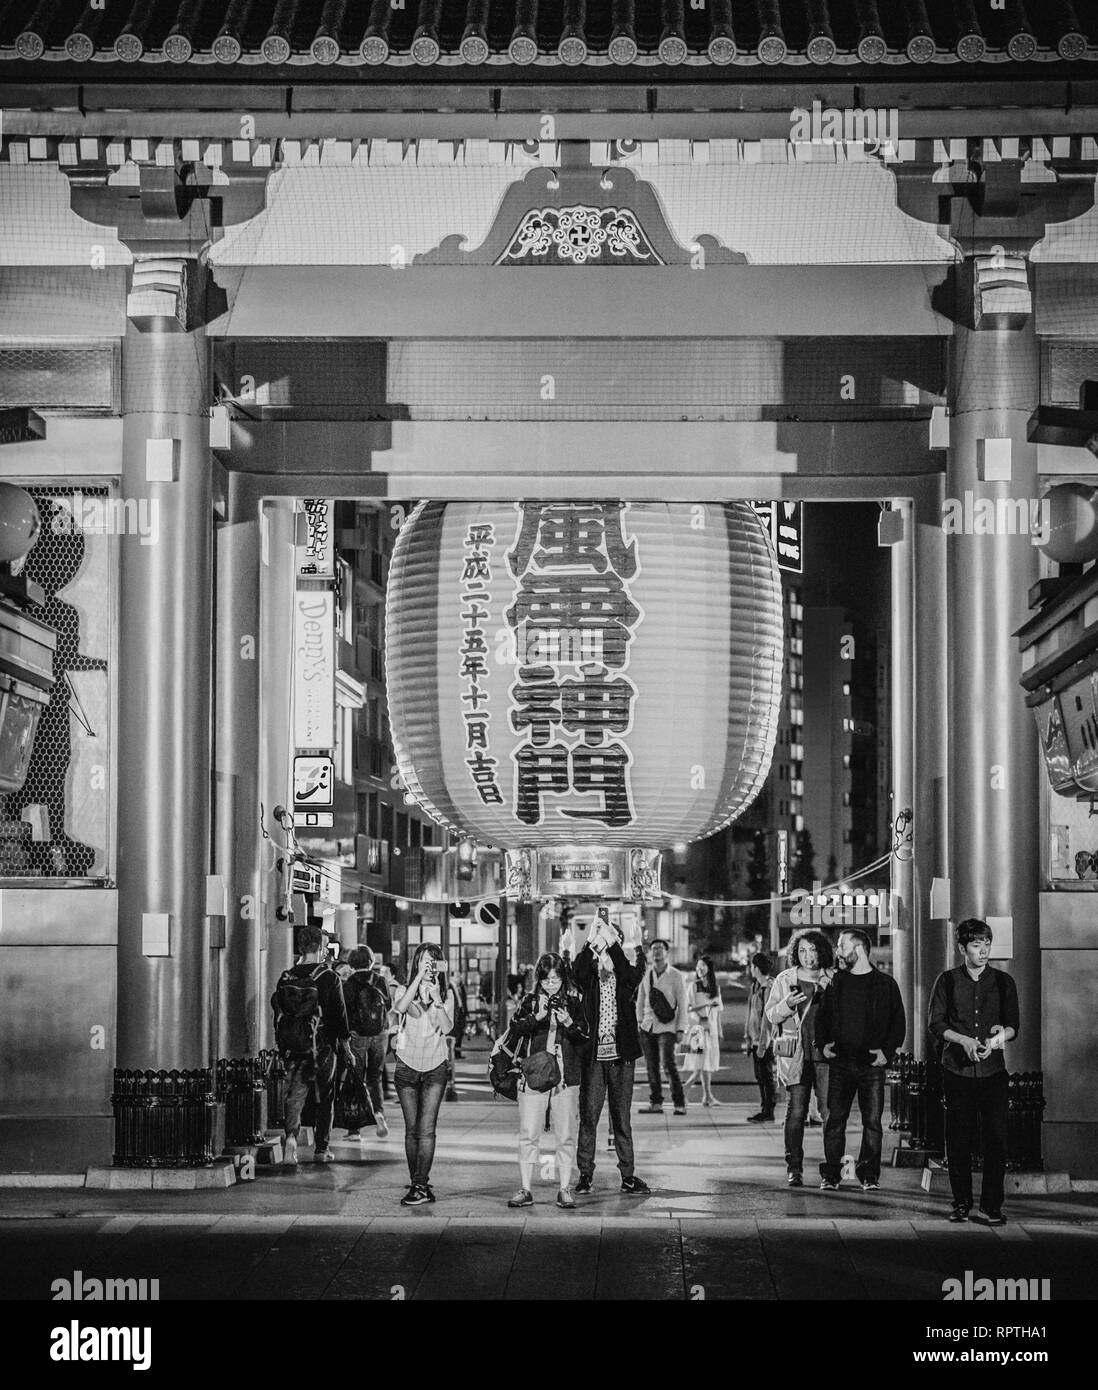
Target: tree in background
{"points": [[759, 885], [804, 865]]}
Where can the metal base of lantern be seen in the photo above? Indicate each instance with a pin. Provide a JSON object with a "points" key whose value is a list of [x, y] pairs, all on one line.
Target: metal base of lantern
{"points": [[584, 872]]}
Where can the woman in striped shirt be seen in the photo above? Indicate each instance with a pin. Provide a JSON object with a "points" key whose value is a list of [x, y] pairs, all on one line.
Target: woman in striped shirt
{"points": [[426, 1016]]}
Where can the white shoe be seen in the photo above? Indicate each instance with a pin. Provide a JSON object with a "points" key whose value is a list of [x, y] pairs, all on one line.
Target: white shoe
{"points": [[382, 1127], [289, 1151]]}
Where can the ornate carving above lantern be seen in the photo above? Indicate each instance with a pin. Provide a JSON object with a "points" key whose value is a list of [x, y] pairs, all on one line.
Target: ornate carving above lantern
{"points": [[581, 214]]}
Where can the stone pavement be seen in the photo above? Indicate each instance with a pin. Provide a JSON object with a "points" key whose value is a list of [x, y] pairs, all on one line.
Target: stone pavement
{"points": [[720, 1223], [720, 1220]]}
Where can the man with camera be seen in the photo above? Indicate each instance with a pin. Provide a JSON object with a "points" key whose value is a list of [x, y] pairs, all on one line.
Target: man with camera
{"points": [[609, 986], [973, 1014]]}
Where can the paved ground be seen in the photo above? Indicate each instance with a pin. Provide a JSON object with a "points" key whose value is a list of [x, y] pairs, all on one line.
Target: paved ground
{"points": [[719, 1224]]}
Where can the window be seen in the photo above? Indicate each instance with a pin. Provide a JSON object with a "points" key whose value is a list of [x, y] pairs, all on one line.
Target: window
{"points": [[401, 829], [415, 830], [387, 821], [846, 760], [428, 834], [372, 800], [846, 687]]}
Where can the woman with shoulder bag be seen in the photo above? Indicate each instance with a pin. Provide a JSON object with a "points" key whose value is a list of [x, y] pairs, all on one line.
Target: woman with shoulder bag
{"points": [[703, 1033], [791, 1010], [426, 1017], [552, 1028]]}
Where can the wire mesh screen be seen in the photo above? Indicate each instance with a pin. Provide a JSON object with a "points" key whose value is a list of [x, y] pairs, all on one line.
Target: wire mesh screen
{"points": [[79, 378], [1064, 368], [57, 824]]}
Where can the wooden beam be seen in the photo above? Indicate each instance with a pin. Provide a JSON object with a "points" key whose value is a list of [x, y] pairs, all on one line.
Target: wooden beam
{"points": [[656, 302]]}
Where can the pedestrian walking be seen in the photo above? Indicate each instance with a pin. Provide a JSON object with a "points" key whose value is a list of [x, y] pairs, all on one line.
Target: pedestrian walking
{"points": [[757, 1031], [609, 986], [661, 1016], [311, 1029], [802, 1068], [704, 1007], [368, 1004], [973, 1014], [552, 1021], [426, 1017], [860, 1027]]}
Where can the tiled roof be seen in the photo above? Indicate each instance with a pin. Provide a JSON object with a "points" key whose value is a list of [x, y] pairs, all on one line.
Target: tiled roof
{"points": [[487, 35]]}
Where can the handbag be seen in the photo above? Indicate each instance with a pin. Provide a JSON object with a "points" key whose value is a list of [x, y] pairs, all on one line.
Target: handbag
{"points": [[662, 1007], [352, 1105], [695, 1039], [788, 1044], [541, 1070]]}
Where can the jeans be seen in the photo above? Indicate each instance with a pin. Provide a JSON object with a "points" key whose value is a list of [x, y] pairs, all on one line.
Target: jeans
{"points": [[659, 1048], [602, 1079], [564, 1118], [360, 1046], [302, 1076], [965, 1099], [868, 1084], [420, 1094], [813, 1077], [370, 1055], [764, 1076]]}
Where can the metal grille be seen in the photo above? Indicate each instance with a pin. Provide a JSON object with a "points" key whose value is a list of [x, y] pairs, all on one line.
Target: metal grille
{"points": [[80, 378], [56, 825], [1064, 367]]}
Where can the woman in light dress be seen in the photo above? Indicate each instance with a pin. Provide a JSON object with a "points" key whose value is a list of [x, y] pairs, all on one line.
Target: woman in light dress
{"points": [[703, 1032]]}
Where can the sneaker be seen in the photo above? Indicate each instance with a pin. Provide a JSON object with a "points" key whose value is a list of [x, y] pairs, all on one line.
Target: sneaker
{"points": [[323, 1156], [959, 1213], [681, 1109], [994, 1218], [794, 1180], [522, 1198], [870, 1185], [353, 1135], [565, 1200], [583, 1186], [382, 1127], [289, 1151], [430, 1191], [760, 1119], [651, 1109], [828, 1185], [814, 1124], [415, 1197], [634, 1187]]}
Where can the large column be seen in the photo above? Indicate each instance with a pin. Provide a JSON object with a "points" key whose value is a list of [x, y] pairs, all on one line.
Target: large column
{"points": [[236, 778], [275, 767], [930, 823], [903, 758], [993, 762], [164, 705]]}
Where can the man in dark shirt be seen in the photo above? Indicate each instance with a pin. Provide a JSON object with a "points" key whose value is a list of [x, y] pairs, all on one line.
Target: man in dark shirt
{"points": [[860, 1027], [609, 986], [973, 1014], [315, 1070]]}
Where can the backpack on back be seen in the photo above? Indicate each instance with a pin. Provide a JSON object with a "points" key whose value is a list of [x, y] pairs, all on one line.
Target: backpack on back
{"points": [[297, 1012], [368, 1008]]}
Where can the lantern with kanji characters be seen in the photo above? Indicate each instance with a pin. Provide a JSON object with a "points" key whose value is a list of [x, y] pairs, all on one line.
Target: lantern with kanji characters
{"points": [[594, 679]]}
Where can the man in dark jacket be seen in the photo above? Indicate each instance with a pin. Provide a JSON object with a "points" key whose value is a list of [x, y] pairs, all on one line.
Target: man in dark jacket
{"points": [[973, 1015], [860, 1028], [609, 985], [312, 1070]]}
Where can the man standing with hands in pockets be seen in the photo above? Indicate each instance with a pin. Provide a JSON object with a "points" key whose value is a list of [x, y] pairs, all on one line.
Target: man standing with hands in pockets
{"points": [[860, 1028], [973, 1014]]}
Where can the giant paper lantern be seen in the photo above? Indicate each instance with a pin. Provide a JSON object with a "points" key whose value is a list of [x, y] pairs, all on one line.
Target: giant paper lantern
{"points": [[583, 673]]}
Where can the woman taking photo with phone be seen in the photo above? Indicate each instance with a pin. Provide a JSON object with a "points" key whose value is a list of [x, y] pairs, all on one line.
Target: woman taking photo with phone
{"points": [[425, 1016], [549, 1024], [802, 1068], [703, 1030]]}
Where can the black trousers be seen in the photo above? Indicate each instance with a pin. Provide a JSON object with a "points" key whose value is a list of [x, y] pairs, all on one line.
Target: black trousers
{"points": [[967, 1097], [764, 1076]]}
